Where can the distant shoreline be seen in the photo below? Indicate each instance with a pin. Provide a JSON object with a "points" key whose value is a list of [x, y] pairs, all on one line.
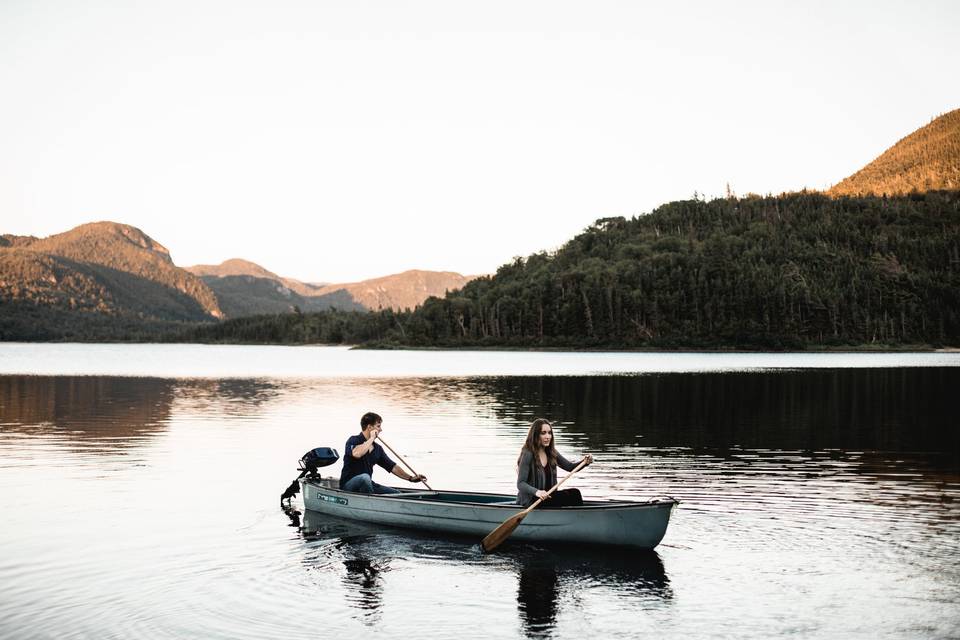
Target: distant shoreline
{"points": [[844, 349], [914, 348]]}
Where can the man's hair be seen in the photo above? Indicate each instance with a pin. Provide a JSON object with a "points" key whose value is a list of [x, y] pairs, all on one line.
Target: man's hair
{"points": [[369, 419]]}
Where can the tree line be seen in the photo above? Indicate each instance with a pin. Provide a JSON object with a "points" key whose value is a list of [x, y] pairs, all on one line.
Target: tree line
{"points": [[793, 271]]}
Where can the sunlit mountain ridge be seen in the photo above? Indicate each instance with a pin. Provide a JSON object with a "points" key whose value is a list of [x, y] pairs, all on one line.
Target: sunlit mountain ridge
{"points": [[926, 160]]}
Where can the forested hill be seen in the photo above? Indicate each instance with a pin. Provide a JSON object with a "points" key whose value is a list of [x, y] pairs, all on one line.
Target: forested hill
{"points": [[101, 280], [927, 159], [793, 271]]}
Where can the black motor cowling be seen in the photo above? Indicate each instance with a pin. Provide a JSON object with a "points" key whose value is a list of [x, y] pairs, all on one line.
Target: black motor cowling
{"points": [[310, 462], [319, 457]]}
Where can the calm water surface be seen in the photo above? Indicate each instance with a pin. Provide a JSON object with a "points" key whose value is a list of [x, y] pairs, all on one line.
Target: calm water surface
{"points": [[139, 490]]}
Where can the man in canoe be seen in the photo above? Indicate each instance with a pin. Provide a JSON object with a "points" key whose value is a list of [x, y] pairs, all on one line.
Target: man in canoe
{"points": [[360, 455], [537, 469]]}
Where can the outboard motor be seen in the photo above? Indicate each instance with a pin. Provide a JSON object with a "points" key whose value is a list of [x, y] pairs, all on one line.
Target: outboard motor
{"points": [[310, 462]]}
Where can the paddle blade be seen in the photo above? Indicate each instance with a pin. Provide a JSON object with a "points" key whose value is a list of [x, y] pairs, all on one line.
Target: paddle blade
{"points": [[501, 533]]}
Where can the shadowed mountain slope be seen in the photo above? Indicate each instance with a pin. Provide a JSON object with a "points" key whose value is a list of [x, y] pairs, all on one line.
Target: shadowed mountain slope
{"points": [[405, 290], [241, 267], [245, 288], [244, 295]]}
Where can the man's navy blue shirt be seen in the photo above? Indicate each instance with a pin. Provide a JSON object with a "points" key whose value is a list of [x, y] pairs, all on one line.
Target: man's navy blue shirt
{"points": [[355, 466]]}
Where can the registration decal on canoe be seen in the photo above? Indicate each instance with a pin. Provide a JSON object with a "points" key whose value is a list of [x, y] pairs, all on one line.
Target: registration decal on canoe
{"points": [[334, 499]]}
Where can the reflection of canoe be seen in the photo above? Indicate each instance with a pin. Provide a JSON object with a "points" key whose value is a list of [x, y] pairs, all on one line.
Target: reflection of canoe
{"points": [[640, 525]]}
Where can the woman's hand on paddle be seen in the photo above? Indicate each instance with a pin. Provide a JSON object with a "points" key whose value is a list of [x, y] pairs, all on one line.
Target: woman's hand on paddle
{"points": [[588, 458], [418, 478], [543, 494]]}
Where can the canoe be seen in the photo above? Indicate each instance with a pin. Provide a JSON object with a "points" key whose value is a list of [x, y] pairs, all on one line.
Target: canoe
{"points": [[640, 525]]}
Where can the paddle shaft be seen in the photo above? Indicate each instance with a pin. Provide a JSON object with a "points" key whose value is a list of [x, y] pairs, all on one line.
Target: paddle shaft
{"points": [[524, 513], [407, 465], [501, 533]]}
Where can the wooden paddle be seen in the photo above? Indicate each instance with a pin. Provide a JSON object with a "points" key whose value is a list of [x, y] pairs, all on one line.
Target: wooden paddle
{"points": [[390, 449], [501, 533]]}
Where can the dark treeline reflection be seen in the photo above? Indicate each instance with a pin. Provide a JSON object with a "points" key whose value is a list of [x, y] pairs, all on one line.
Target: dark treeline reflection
{"points": [[86, 407], [228, 396], [547, 578], [908, 410], [112, 412]]}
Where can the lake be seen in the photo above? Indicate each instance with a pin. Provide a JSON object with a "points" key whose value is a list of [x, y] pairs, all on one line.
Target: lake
{"points": [[139, 487]]}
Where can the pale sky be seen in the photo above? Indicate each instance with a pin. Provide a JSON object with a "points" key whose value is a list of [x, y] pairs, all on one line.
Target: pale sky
{"points": [[337, 141]]}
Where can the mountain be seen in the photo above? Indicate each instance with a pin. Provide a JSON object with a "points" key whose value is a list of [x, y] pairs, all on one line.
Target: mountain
{"points": [[400, 291], [233, 267], [240, 267], [245, 288], [105, 280], [795, 271], [926, 160], [94, 281]]}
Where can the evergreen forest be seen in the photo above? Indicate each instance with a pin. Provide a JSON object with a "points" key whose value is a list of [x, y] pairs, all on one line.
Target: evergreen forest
{"points": [[795, 271]]}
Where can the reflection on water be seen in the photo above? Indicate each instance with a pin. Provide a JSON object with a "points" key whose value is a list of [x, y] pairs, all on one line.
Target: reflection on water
{"points": [[107, 414], [904, 410], [365, 576], [548, 577], [232, 397], [102, 413], [537, 592], [351, 549], [881, 409], [545, 577], [826, 503]]}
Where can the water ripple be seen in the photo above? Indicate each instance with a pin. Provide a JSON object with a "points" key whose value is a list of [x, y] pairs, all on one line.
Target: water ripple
{"points": [[159, 519]]}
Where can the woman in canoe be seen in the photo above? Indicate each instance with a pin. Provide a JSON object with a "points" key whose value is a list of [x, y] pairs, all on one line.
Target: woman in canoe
{"points": [[537, 472]]}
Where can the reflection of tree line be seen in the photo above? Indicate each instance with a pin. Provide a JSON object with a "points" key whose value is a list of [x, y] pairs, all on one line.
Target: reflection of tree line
{"points": [[230, 396], [543, 575], [882, 409], [86, 408], [875, 409], [113, 412]]}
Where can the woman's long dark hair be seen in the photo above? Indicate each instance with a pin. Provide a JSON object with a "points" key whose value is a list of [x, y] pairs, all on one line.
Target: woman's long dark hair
{"points": [[532, 443]]}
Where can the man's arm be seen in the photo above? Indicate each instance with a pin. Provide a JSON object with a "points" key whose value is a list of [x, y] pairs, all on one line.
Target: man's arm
{"points": [[401, 473], [360, 450]]}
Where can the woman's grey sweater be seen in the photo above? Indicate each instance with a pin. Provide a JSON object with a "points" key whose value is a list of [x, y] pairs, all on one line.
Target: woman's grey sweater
{"points": [[531, 477]]}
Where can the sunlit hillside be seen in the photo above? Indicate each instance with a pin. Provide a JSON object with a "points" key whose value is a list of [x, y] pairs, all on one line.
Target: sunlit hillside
{"points": [[926, 160]]}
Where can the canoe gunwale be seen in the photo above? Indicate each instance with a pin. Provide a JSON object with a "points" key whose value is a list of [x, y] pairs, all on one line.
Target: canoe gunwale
{"points": [[509, 501]]}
